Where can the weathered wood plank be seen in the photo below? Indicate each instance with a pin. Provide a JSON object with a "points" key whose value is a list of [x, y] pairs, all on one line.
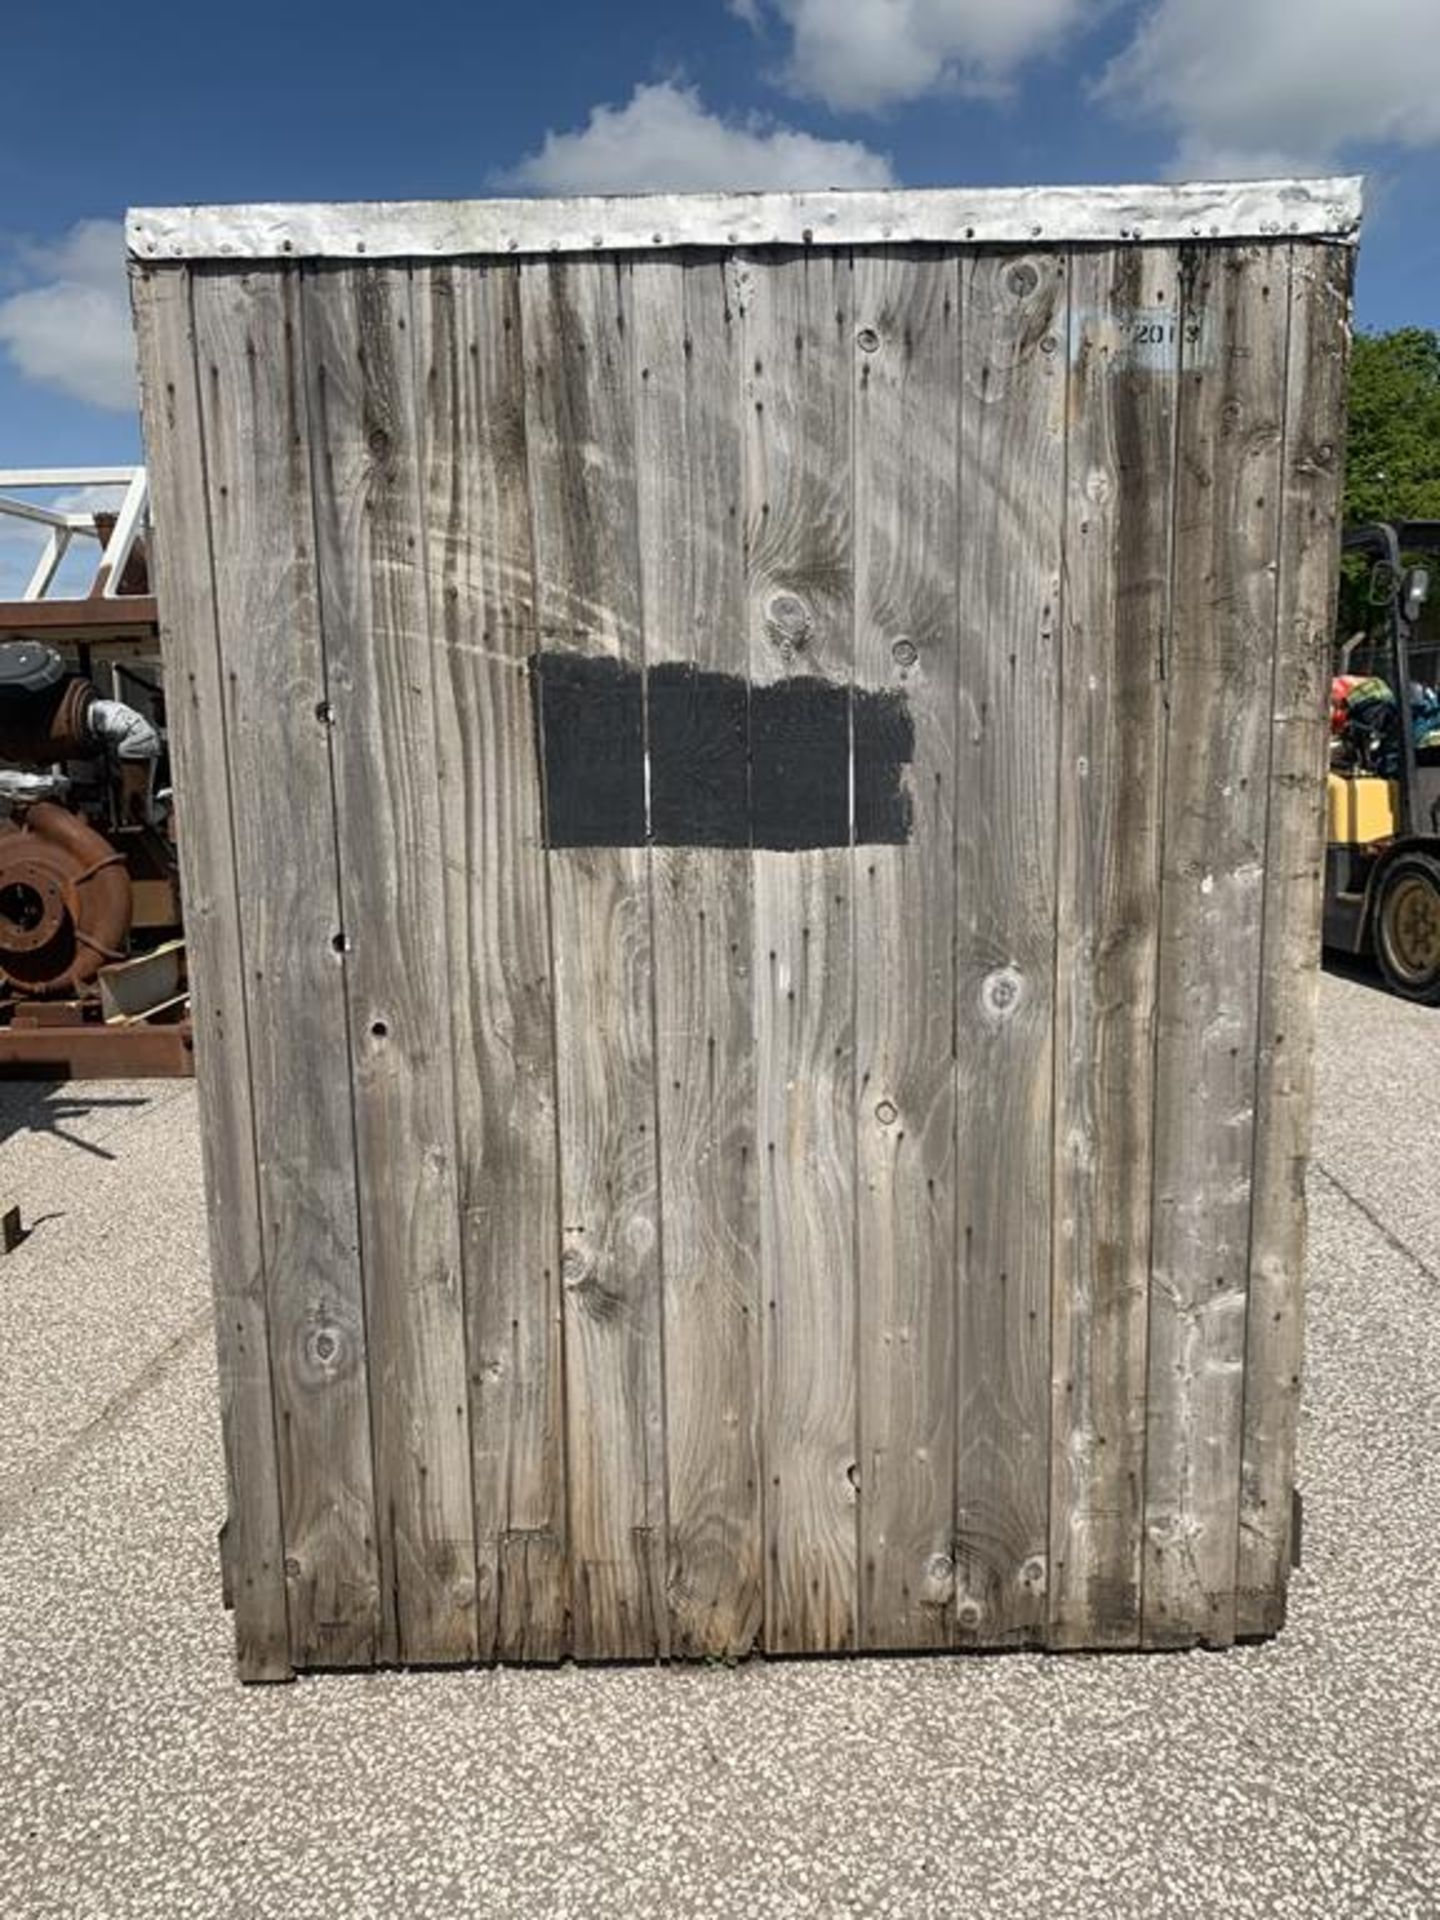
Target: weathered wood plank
{"points": [[1124, 338], [1228, 489], [258, 491], [796, 329], [1294, 891], [689, 450], [610, 1266], [905, 365], [1012, 444], [482, 607], [579, 379], [360, 375], [214, 928]]}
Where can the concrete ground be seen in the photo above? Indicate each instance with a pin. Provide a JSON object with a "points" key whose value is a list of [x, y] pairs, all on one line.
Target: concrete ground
{"points": [[1301, 1778]]}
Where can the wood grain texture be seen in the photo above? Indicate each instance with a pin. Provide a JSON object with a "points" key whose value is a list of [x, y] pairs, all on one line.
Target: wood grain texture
{"points": [[258, 492], [1219, 669], [689, 453], [1012, 444], [580, 438], [359, 360], [796, 321], [1294, 890], [610, 1268], [200, 762], [905, 366], [1125, 345], [482, 608], [859, 1204]]}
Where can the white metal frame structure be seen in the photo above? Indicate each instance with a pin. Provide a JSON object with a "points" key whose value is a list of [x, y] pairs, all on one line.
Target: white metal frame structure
{"points": [[132, 519]]}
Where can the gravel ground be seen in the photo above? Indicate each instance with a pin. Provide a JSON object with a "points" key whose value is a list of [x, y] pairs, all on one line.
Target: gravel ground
{"points": [[136, 1778]]}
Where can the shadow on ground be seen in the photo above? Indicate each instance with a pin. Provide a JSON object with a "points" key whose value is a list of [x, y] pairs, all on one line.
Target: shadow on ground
{"points": [[28, 1106]]}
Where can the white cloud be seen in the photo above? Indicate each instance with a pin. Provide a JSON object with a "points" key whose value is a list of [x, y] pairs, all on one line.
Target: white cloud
{"points": [[664, 137], [1257, 86], [70, 329], [869, 54]]}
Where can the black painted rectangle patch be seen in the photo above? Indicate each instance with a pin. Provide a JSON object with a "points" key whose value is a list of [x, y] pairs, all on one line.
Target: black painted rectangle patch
{"points": [[884, 744], [800, 765], [592, 743], [699, 730], [730, 764]]}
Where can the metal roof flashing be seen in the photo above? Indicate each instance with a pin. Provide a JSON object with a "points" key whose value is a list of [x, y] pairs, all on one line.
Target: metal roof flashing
{"points": [[1327, 209]]}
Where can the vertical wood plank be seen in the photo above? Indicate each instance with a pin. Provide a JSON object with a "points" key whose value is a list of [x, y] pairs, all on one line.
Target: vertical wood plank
{"points": [[480, 572], [689, 451], [214, 930], [258, 492], [1294, 890], [580, 415], [1125, 346], [375, 634], [796, 327], [1213, 865], [1012, 442], [905, 364]]}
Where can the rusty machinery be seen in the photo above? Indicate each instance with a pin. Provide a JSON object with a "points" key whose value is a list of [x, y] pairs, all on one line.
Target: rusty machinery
{"points": [[91, 977]]}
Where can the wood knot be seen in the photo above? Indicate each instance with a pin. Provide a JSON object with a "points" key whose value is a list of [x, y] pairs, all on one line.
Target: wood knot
{"points": [[1001, 992], [867, 339], [325, 1348], [937, 1584], [790, 621], [1022, 280], [583, 1283]]}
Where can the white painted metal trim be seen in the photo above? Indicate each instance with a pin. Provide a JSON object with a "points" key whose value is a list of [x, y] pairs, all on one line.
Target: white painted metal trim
{"points": [[48, 565], [1001, 216], [65, 477], [124, 534], [132, 517], [42, 516]]}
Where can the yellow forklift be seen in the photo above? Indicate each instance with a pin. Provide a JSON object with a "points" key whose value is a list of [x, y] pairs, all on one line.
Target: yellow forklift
{"points": [[1382, 866]]}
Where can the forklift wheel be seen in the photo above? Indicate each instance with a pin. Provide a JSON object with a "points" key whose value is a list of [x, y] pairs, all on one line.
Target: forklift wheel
{"points": [[1407, 927]]}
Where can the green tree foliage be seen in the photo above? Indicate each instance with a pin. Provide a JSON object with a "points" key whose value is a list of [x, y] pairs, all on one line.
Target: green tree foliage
{"points": [[1393, 466], [1392, 469]]}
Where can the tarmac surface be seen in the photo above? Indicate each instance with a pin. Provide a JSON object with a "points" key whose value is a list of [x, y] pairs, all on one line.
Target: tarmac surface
{"points": [[137, 1778]]}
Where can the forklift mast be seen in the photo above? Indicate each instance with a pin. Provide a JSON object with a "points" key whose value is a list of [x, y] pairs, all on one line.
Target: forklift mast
{"points": [[1387, 545]]}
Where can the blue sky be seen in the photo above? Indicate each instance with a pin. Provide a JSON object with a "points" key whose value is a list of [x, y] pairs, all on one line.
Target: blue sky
{"points": [[434, 98]]}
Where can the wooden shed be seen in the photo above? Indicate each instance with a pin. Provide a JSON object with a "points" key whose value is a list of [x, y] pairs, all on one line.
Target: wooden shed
{"points": [[749, 776]]}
